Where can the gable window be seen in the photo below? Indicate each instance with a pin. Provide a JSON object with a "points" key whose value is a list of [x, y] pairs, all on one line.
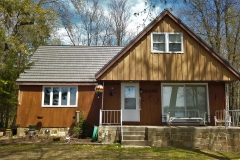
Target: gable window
{"points": [[57, 96], [166, 42]]}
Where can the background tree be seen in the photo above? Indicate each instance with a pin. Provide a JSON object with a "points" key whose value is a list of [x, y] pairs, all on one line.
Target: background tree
{"points": [[120, 19], [218, 23], [99, 26], [91, 17], [25, 24]]}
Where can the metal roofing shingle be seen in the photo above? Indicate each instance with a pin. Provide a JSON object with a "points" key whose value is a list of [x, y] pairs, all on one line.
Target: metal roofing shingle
{"points": [[67, 63]]}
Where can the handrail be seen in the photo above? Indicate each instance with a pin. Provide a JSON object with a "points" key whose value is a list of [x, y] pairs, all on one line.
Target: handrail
{"points": [[121, 125], [228, 117], [109, 117]]}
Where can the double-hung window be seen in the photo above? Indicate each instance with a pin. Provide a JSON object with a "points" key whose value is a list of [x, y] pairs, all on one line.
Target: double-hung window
{"points": [[59, 96], [162, 42]]}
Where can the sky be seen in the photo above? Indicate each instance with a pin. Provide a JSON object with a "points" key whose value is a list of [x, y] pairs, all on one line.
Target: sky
{"points": [[136, 6]]}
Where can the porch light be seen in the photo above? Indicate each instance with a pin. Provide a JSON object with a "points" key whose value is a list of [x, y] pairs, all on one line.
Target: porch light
{"points": [[111, 93], [140, 90], [39, 117]]}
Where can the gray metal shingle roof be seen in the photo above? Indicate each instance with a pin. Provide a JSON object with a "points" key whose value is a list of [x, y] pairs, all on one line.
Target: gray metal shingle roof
{"points": [[68, 63]]}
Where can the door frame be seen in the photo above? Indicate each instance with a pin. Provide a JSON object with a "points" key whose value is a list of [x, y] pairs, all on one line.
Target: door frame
{"points": [[130, 115]]}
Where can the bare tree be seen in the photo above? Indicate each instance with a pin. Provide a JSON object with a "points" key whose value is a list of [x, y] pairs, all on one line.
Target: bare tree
{"points": [[106, 36], [120, 16], [91, 15]]}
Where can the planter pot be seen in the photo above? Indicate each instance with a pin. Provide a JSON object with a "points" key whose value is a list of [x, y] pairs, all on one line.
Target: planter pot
{"points": [[32, 127]]}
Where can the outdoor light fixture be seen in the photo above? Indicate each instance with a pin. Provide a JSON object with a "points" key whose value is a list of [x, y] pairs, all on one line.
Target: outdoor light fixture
{"points": [[39, 117], [141, 91], [111, 94]]}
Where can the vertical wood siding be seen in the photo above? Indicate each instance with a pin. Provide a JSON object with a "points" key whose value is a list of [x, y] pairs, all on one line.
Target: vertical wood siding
{"points": [[151, 104], [195, 64], [217, 99], [31, 106], [150, 114]]}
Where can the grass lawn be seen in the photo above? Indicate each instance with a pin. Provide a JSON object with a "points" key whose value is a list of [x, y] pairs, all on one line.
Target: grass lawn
{"points": [[76, 151]]}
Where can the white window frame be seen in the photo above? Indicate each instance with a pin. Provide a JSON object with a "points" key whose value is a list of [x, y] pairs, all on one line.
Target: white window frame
{"points": [[184, 84], [60, 96], [166, 42]]}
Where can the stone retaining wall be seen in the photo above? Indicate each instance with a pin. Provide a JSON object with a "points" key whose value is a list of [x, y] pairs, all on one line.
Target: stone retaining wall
{"points": [[211, 138], [204, 138]]}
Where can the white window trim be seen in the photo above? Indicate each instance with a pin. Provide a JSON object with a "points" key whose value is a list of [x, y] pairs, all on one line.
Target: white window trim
{"points": [[60, 97], [184, 84], [166, 42]]}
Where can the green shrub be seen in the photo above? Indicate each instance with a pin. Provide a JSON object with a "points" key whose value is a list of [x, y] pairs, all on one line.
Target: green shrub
{"points": [[82, 129]]}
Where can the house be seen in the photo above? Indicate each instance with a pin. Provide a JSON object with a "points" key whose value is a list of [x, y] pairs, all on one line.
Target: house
{"points": [[166, 68]]}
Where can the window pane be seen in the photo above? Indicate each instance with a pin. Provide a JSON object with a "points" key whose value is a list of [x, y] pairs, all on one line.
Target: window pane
{"points": [[174, 38], [159, 38], [159, 46], [64, 95], [55, 95], [73, 95], [47, 91], [196, 98], [130, 97], [130, 103], [175, 47], [173, 100]]}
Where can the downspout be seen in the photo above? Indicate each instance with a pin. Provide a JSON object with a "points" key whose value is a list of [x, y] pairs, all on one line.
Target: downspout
{"points": [[102, 95]]}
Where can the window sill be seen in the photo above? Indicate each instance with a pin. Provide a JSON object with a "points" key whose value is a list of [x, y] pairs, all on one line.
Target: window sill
{"points": [[59, 106], [157, 52]]}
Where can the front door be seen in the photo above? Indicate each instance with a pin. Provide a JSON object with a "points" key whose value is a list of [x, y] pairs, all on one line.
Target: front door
{"points": [[130, 102]]}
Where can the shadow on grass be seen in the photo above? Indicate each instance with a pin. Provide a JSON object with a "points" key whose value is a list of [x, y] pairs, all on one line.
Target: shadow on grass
{"points": [[55, 150], [208, 153]]}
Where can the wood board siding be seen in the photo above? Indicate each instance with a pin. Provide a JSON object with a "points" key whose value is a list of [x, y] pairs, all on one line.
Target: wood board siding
{"points": [[150, 113], [30, 98], [31, 106], [217, 100], [151, 103], [195, 64]]}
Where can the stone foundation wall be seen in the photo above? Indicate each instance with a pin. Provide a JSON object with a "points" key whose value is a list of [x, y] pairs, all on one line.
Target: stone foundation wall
{"points": [[21, 132], [109, 134], [204, 138]]}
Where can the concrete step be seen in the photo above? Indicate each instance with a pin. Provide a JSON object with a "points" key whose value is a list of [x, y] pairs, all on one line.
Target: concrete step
{"points": [[129, 146], [130, 128], [133, 137], [128, 133], [135, 143]]}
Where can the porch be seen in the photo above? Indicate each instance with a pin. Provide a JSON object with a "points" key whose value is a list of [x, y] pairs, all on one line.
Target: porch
{"points": [[216, 138]]}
